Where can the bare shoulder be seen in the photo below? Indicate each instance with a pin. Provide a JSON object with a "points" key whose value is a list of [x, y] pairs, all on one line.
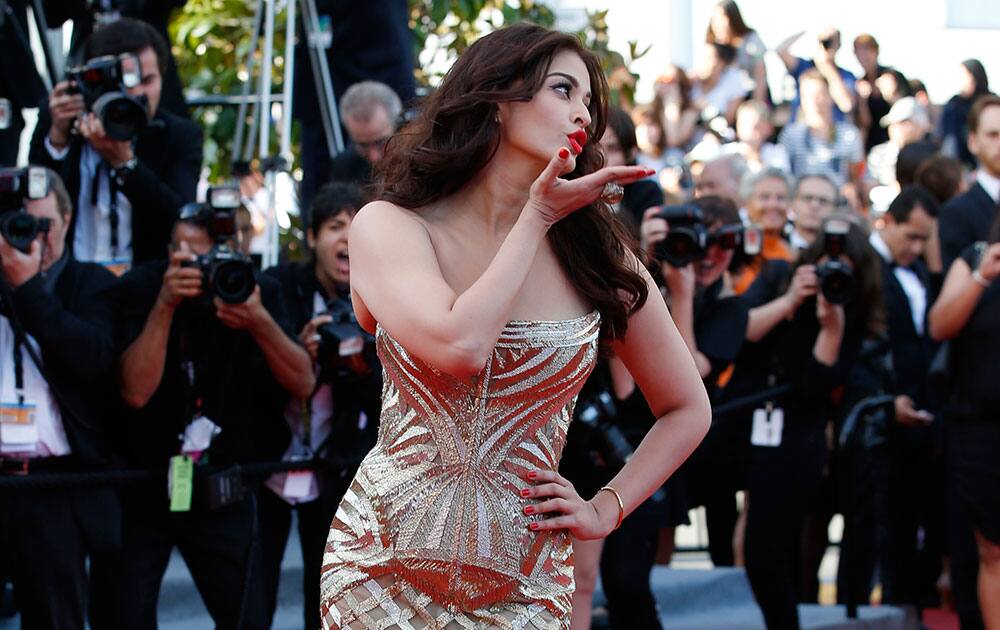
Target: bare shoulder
{"points": [[383, 219]]}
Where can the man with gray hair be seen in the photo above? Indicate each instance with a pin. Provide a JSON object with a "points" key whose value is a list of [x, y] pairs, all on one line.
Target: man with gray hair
{"points": [[813, 200], [721, 176], [371, 112]]}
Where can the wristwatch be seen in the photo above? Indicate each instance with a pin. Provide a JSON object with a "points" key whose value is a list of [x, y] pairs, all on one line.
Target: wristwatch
{"points": [[122, 172]]}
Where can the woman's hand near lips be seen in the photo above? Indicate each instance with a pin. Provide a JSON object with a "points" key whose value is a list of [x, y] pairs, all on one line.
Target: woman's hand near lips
{"points": [[553, 198]]}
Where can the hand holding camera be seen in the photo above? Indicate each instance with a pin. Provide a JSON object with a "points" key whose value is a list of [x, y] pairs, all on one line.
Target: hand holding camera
{"points": [[114, 152], [65, 106], [310, 338], [831, 316], [181, 281], [248, 315], [19, 267], [805, 284]]}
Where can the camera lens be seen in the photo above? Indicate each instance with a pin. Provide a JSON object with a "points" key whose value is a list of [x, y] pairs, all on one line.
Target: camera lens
{"points": [[836, 282], [233, 281], [681, 247], [121, 115], [19, 229]]}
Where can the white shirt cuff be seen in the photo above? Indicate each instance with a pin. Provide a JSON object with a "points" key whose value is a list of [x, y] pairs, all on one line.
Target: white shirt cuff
{"points": [[57, 154]]}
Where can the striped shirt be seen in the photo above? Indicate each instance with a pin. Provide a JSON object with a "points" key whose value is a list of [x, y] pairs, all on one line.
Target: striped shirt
{"points": [[810, 155]]}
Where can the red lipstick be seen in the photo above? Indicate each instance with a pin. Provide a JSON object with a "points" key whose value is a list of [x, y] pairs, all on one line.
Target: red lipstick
{"points": [[577, 140]]}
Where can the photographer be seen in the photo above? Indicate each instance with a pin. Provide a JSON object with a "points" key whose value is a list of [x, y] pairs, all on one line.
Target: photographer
{"points": [[207, 344], [56, 350], [712, 321], [339, 420], [127, 190], [967, 312], [805, 327], [90, 15]]}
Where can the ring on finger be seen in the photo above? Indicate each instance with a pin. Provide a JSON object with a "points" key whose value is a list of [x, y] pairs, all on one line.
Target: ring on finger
{"points": [[613, 193]]}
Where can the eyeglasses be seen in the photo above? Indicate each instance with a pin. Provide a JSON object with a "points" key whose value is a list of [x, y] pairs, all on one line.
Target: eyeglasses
{"points": [[378, 144], [823, 201]]}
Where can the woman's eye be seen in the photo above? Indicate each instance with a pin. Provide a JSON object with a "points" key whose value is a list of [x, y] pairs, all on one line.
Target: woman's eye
{"points": [[563, 88]]}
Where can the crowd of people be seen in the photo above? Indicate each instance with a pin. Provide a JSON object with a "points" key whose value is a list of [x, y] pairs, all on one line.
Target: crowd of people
{"points": [[830, 263]]}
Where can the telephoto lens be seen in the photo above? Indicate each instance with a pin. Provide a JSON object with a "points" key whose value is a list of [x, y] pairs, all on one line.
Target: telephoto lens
{"points": [[835, 277], [687, 235]]}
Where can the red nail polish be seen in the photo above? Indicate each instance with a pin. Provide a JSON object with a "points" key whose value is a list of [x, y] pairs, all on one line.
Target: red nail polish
{"points": [[564, 153], [533, 527], [528, 509], [532, 475], [525, 492]]}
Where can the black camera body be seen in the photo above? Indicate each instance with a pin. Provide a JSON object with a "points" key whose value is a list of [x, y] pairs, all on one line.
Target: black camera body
{"points": [[104, 83], [688, 237], [226, 273], [836, 279], [345, 348], [609, 447], [17, 184]]}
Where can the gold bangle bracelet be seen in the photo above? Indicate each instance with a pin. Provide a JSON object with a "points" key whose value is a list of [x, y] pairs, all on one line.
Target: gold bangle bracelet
{"points": [[621, 504]]}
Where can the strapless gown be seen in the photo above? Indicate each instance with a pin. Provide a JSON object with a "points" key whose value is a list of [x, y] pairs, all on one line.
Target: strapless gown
{"points": [[432, 533]]}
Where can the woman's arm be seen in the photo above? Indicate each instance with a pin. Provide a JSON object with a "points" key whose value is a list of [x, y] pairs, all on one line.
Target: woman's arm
{"points": [[658, 359], [960, 294], [397, 277]]}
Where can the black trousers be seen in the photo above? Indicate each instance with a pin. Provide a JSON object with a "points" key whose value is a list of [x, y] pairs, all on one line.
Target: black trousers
{"points": [[314, 524], [218, 547], [782, 483], [626, 562], [45, 553]]}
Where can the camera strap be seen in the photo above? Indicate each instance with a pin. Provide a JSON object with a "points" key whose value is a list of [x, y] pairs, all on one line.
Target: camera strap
{"points": [[19, 365], [103, 168]]}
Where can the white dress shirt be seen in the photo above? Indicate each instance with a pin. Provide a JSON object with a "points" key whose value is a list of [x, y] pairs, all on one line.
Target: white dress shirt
{"points": [[92, 234], [990, 184], [913, 288], [320, 418], [51, 434]]}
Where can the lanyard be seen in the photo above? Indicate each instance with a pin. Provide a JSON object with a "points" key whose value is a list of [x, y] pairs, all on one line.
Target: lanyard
{"points": [[112, 201], [18, 368]]}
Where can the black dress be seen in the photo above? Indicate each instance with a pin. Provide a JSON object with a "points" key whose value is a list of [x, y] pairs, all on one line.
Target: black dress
{"points": [[974, 412]]}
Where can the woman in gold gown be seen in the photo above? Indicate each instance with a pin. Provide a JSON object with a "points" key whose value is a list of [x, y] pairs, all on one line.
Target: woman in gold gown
{"points": [[491, 273]]}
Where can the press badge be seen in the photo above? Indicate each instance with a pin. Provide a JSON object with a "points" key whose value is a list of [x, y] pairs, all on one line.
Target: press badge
{"points": [[18, 428], [298, 483], [117, 266], [180, 483], [768, 425]]}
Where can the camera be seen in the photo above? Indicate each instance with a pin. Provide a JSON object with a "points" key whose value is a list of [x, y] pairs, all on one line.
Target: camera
{"points": [[226, 273], [345, 348], [688, 238], [104, 83], [608, 445], [17, 184], [836, 278]]}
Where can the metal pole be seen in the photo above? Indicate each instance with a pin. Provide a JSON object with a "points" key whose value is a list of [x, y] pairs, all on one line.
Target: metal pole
{"points": [[321, 74], [286, 114], [241, 115], [265, 80]]}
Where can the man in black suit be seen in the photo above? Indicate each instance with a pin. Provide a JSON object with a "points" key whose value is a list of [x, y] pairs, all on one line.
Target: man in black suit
{"points": [[338, 422], [65, 308], [967, 218], [914, 468], [370, 41], [87, 15], [127, 193], [194, 363], [19, 80]]}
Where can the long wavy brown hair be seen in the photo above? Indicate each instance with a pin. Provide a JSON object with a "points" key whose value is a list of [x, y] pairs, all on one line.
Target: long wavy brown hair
{"points": [[457, 133]]}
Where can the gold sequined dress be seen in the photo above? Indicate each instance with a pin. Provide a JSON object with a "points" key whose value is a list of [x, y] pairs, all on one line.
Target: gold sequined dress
{"points": [[432, 533]]}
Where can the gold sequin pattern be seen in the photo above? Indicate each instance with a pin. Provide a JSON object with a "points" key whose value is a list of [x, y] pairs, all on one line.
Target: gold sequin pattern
{"points": [[431, 533]]}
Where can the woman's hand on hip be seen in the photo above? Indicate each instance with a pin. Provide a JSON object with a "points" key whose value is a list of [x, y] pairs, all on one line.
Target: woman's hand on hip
{"points": [[557, 499]]}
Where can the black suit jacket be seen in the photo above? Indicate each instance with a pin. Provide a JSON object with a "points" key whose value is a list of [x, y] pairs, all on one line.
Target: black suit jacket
{"points": [[351, 396], [19, 80], [911, 351], [963, 221], [73, 328], [169, 152], [371, 41]]}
